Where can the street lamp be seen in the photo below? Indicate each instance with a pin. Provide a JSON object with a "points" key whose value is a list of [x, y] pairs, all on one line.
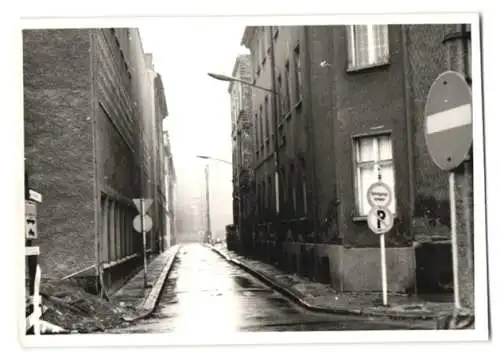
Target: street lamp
{"points": [[208, 231], [276, 102], [230, 78], [222, 77]]}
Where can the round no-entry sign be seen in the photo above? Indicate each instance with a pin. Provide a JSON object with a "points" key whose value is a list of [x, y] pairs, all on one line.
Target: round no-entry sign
{"points": [[448, 120]]}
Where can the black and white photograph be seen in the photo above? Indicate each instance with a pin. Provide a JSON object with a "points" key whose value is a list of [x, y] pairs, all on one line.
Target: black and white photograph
{"points": [[205, 180]]}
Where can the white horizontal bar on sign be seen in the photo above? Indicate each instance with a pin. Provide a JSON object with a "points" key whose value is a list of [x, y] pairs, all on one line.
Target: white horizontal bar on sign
{"points": [[449, 119], [32, 250]]}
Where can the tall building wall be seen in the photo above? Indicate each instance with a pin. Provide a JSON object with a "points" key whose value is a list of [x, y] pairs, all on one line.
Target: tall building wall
{"points": [[59, 146]]}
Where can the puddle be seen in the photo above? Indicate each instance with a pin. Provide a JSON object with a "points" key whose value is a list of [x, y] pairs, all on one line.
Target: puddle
{"points": [[243, 281]]}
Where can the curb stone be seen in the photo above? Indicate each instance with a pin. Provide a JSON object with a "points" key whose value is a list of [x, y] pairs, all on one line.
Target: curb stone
{"points": [[298, 299], [149, 304]]}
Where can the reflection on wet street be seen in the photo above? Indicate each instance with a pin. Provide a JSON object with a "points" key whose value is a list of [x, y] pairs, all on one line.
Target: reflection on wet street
{"points": [[204, 293]]}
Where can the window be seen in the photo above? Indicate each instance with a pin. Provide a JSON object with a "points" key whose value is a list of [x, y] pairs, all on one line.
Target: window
{"points": [[368, 45], [276, 192], [303, 187], [280, 106], [298, 74], [239, 99], [265, 195], [266, 121], [105, 229], [259, 209], [111, 231], [262, 197], [263, 45], [256, 67], [283, 185], [293, 192], [270, 192], [286, 92], [261, 126], [370, 152], [257, 139], [281, 134]]}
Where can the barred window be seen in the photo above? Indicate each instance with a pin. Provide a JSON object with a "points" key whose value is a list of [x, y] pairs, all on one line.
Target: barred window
{"points": [[368, 45]]}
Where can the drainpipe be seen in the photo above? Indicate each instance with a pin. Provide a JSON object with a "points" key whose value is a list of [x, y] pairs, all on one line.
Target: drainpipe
{"points": [[277, 177], [409, 127], [310, 135]]}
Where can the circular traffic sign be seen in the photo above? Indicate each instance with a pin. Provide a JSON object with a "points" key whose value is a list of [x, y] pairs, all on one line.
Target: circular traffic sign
{"points": [[380, 219], [137, 223], [379, 194], [448, 120]]}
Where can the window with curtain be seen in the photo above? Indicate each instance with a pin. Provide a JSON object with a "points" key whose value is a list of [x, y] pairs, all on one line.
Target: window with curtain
{"points": [[371, 153], [367, 45]]}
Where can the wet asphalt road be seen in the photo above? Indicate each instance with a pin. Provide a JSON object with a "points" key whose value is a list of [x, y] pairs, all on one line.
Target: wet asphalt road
{"points": [[205, 293]]}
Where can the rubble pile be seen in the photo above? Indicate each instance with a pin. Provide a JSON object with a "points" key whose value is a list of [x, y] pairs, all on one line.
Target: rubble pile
{"points": [[77, 311]]}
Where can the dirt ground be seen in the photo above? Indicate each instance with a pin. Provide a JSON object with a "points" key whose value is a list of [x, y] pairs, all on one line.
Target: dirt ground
{"points": [[77, 311]]}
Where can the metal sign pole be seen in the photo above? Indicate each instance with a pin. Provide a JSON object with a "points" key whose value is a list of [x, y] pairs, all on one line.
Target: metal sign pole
{"points": [[384, 270], [144, 245], [454, 249], [383, 264]]}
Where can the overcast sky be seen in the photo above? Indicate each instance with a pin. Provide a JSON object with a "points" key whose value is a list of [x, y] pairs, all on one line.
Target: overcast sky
{"points": [[199, 119]]}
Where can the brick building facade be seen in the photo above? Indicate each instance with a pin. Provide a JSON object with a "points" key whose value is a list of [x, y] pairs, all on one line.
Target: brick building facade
{"points": [[242, 150], [349, 98], [92, 109]]}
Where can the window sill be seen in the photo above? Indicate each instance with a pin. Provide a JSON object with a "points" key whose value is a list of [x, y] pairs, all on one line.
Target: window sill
{"points": [[361, 68]]}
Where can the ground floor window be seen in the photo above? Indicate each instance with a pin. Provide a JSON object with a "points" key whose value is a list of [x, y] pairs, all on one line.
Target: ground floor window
{"points": [[372, 154], [117, 234]]}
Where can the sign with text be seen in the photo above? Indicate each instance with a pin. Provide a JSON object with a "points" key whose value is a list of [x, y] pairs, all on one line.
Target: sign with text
{"points": [[379, 194]]}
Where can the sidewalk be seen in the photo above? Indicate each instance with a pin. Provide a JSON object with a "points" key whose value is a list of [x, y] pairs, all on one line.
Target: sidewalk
{"points": [[143, 301], [323, 298]]}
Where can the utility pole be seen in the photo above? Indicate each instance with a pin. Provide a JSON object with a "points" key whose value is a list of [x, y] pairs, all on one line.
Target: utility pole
{"points": [[208, 233], [458, 59]]}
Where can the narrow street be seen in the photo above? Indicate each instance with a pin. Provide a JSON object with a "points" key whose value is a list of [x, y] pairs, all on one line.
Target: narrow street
{"points": [[204, 293]]}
